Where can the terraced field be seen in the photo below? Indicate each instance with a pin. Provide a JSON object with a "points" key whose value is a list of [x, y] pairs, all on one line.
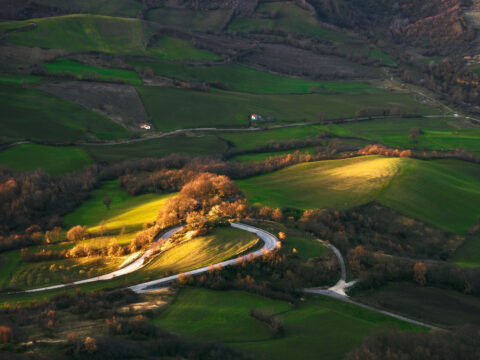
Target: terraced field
{"points": [[443, 193], [245, 79], [172, 48], [82, 71]]}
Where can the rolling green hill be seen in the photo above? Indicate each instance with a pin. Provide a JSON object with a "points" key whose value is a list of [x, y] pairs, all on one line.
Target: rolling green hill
{"points": [[83, 33], [28, 113], [242, 78], [319, 328], [443, 193], [55, 160]]}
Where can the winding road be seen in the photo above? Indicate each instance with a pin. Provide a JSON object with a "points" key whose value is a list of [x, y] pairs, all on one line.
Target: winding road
{"points": [[270, 242]]}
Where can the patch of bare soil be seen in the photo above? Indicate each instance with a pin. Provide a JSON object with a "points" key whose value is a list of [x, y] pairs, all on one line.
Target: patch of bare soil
{"points": [[293, 61], [14, 57], [120, 103]]}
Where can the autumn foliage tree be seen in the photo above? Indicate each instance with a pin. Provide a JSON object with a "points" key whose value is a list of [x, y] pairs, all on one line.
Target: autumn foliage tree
{"points": [[77, 233], [420, 273]]}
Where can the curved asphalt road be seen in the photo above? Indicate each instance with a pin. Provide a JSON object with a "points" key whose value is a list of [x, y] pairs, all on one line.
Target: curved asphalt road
{"points": [[270, 243]]}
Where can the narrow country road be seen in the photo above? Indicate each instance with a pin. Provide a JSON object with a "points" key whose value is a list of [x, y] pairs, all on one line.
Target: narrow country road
{"points": [[270, 243], [135, 265], [338, 291]]}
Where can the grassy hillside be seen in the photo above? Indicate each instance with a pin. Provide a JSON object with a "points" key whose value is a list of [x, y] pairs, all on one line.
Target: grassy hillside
{"points": [[441, 306], [320, 328], [126, 211], [219, 108], [288, 17], [55, 160], [83, 33], [83, 71], [439, 133], [19, 78], [33, 114], [442, 193], [189, 19], [172, 48], [468, 254], [219, 245], [242, 78], [195, 144]]}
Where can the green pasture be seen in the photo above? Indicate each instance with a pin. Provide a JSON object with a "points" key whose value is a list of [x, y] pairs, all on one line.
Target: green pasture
{"points": [[439, 133], [82, 71], [55, 160], [219, 108], [219, 245], [288, 17], [125, 210], [443, 193], [181, 144], [385, 58], [433, 305], [185, 18], [83, 32], [245, 79], [319, 328], [28, 113], [19, 78], [468, 254], [172, 48]]}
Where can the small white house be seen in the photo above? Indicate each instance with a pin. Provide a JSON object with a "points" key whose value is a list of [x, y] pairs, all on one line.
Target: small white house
{"points": [[145, 126], [255, 117]]}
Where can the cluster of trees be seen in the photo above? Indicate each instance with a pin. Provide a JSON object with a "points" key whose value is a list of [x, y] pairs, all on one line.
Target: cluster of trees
{"points": [[378, 228], [376, 269], [460, 344], [452, 79]]}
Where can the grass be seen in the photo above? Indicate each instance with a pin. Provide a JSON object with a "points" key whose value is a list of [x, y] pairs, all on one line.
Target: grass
{"points": [[219, 245], [433, 305], [55, 160], [83, 71], [443, 193], [305, 247], [45, 273], [290, 18], [385, 58], [198, 145], [184, 18], [126, 211], [219, 108], [244, 79], [19, 78], [83, 32], [172, 48], [320, 328], [33, 114], [468, 254], [439, 133]]}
